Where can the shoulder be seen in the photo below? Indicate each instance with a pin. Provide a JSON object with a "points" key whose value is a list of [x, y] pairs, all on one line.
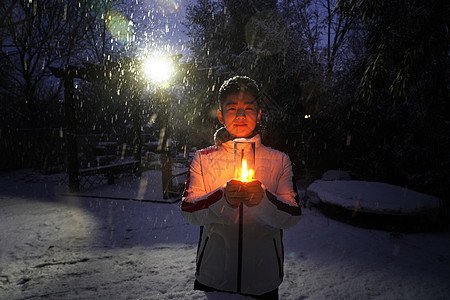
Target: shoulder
{"points": [[271, 152], [208, 150]]}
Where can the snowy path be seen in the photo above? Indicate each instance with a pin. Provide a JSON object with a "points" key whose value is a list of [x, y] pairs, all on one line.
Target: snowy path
{"points": [[67, 248]]}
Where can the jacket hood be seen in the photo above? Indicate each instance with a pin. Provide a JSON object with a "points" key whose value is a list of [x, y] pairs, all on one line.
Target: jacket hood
{"points": [[221, 136]]}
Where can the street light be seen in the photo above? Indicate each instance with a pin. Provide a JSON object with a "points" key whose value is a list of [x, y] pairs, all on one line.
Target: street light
{"points": [[159, 71]]}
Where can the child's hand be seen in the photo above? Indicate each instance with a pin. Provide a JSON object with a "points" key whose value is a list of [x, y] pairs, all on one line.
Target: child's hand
{"points": [[254, 193], [235, 192]]}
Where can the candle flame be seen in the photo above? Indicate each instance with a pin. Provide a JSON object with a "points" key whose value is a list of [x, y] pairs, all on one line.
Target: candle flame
{"points": [[246, 174]]}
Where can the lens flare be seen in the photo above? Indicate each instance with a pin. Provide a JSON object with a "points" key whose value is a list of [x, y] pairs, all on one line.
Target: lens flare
{"points": [[170, 6], [120, 27], [175, 4]]}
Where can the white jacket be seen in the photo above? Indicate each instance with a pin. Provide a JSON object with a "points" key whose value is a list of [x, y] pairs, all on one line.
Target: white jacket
{"points": [[240, 249]]}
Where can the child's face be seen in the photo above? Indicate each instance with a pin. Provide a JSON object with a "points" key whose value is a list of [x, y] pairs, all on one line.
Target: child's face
{"points": [[240, 114]]}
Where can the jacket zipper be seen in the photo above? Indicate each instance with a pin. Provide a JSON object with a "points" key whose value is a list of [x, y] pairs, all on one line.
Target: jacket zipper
{"points": [[240, 241], [280, 270]]}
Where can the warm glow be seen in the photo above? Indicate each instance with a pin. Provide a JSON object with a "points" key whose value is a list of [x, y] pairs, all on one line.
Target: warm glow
{"points": [[246, 174]]}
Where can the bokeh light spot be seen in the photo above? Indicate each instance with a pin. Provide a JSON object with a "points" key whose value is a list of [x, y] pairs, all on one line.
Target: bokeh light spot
{"points": [[120, 27]]}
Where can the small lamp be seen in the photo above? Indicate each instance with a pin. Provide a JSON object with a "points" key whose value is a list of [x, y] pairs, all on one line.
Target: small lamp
{"points": [[244, 159]]}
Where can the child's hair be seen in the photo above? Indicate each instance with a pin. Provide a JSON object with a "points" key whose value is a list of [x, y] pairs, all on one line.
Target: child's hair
{"points": [[238, 85]]}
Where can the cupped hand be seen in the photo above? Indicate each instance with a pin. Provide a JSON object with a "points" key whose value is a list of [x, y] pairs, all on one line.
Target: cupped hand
{"points": [[255, 193], [235, 192]]}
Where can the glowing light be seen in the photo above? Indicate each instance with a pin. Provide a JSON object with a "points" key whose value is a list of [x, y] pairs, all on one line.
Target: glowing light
{"points": [[307, 116], [246, 174], [158, 70], [120, 27]]}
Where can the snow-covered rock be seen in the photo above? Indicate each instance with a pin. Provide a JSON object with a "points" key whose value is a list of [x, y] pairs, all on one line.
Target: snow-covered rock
{"points": [[372, 197]]}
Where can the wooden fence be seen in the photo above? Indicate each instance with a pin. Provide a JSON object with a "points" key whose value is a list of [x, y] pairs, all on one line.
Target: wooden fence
{"points": [[45, 149]]}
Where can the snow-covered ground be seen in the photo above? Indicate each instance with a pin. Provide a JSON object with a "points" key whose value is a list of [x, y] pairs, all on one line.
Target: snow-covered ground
{"points": [[60, 247]]}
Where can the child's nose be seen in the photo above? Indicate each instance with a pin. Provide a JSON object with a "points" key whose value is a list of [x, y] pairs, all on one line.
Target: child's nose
{"points": [[240, 112]]}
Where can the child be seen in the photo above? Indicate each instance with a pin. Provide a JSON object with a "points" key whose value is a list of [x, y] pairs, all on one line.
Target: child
{"points": [[240, 248]]}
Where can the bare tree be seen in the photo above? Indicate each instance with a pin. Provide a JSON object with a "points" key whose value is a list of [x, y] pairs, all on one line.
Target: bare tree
{"points": [[338, 27], [36, 35]]}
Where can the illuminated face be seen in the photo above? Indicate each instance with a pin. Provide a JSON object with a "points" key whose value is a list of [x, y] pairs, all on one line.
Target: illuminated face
{"points": [[239, 114]]}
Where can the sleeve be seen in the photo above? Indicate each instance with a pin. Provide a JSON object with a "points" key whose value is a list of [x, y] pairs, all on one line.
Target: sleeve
{"points": [[201, 208], [280, 209]]}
